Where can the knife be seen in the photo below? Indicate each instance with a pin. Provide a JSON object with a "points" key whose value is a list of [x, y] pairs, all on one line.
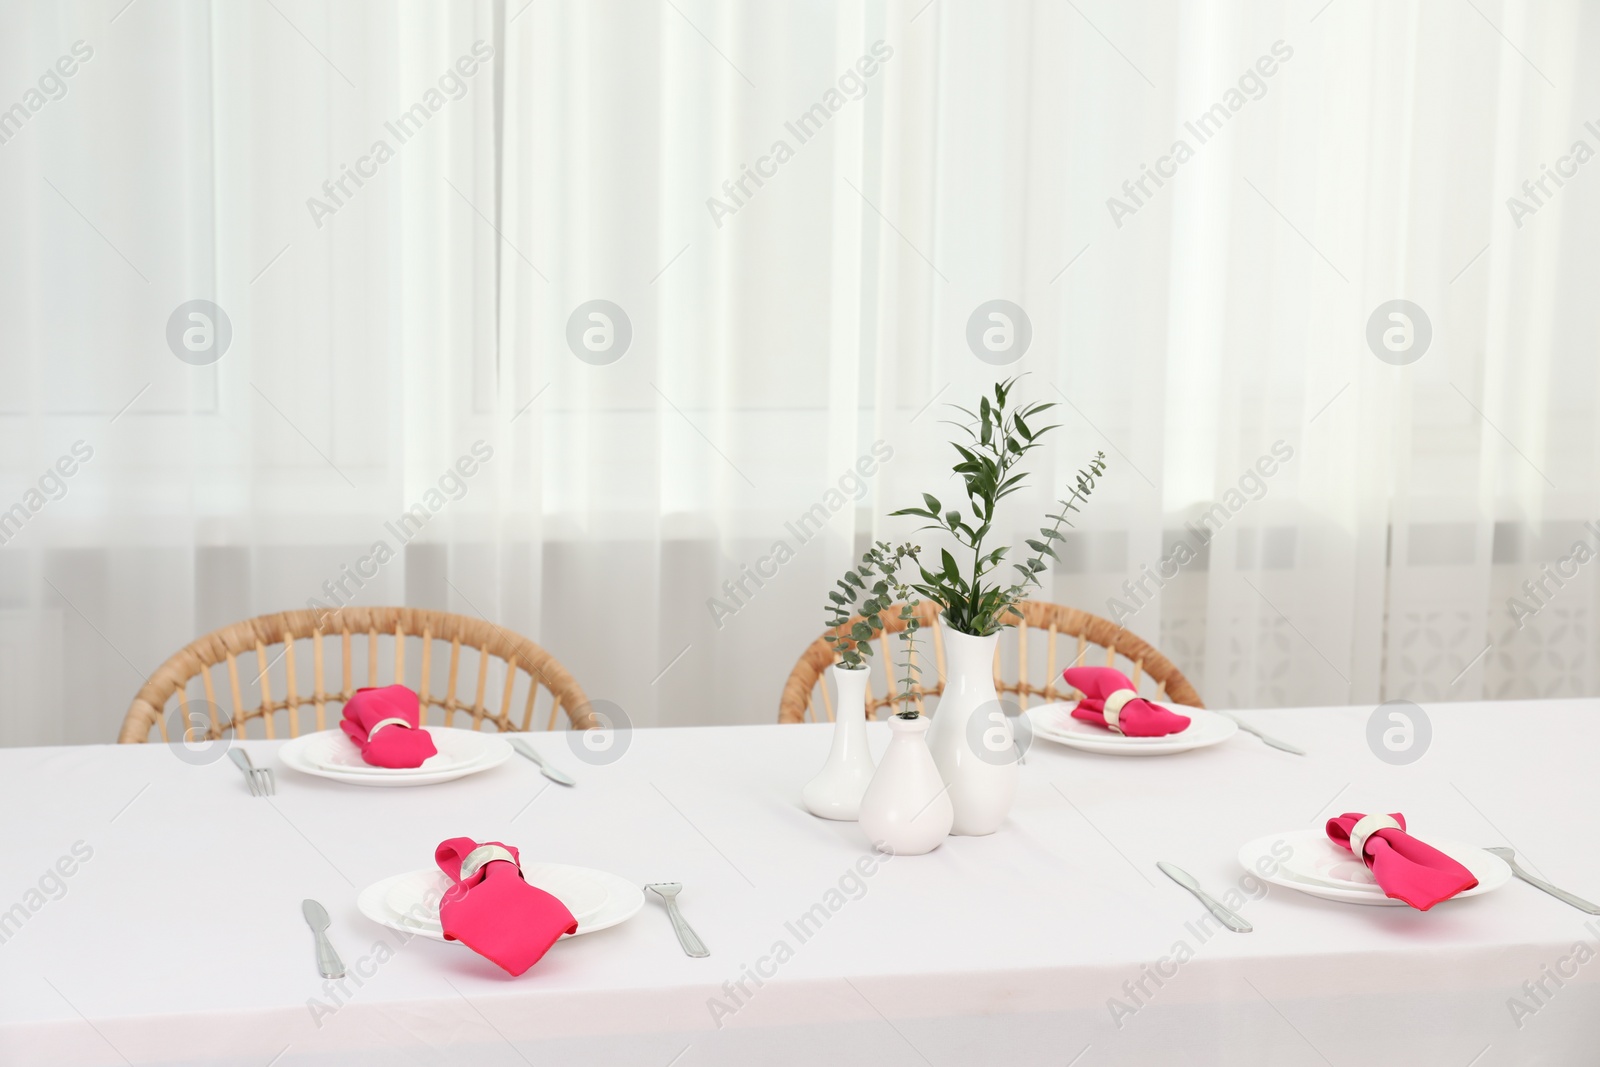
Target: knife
{"points": [[1272, 741], [525, 749], [328, 962], [1185, 879]]}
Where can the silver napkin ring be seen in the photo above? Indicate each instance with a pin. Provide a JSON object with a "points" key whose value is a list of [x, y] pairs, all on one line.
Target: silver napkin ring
{"points": [[484, 855], [1113, 705], [381, 723], [1364, 828]]}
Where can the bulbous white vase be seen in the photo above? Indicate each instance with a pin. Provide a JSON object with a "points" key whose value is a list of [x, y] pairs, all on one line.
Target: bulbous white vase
{"points": [[836, 791], [906, 810], [972, 740]]}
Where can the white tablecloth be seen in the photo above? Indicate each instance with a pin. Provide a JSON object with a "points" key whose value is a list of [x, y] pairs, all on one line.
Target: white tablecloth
{"points": [[177, 936]]}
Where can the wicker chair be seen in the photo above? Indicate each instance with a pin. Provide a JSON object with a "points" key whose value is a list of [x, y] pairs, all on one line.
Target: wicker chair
{"points": [[1148, 667], [520, 656]]}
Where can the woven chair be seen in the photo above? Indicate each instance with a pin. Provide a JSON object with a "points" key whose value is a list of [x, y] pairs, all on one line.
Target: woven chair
{"points": [[333, 633], [1148, 668]]}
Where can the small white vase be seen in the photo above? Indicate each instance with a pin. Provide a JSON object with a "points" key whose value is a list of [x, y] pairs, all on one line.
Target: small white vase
{"points": [[835, 793], [906, 810], [972, 740]]}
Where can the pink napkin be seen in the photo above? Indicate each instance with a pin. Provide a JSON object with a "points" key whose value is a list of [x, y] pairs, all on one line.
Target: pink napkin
{"points": [[1136, 718], [494, 912], [395, 744], [1405, 868]]}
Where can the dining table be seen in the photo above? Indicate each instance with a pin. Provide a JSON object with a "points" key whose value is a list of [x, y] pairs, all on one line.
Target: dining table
{"points": [[150, 909]]}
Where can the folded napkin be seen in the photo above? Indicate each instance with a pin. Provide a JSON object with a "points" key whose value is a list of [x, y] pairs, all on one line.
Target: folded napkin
{"points": [[492, 910], [1405, 868], [385, 725], [1109, 700]]}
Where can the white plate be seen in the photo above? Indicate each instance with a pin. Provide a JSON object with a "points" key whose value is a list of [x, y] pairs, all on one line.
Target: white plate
{"points": [[1054, 722], [416, 900], [622, 898], [1319, 867], [492, 751], [332, 750]]}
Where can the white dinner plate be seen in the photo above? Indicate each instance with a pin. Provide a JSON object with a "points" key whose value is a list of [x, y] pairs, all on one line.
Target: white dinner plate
{"points": [[1054, 722], [1320, 868], [622, 899], [332, 750], [417, 899], [485, 751]]}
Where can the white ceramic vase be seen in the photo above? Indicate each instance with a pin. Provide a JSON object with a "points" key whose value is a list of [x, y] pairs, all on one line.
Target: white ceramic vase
{"points": [[906, 810], [972, 740], [835, 793]]}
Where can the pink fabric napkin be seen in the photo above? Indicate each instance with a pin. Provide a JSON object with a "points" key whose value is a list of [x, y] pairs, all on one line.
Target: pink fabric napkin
{"points": [[1137, 718], [398, 744], [494, 912], [1405, 868]]}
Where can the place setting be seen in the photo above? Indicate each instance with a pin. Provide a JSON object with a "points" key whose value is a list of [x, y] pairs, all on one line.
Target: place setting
{"points": [[381, 742], [485, 897], [1374, 859], [1111, 718]]}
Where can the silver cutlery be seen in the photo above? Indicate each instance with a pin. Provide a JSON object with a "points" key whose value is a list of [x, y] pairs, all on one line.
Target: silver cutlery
{"points": [[1267, 738], [668, 891], [557, 776], [1539, 883], [1185, 879], [259, 779], [328, 962]]}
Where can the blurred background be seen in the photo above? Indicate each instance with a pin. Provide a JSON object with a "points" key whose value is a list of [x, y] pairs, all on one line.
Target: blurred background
{"points": [[270, 270]]}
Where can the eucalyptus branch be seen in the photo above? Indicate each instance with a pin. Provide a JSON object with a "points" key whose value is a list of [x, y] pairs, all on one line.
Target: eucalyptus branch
{"points": [[1034, 564], [877, 575], [908, 681]]}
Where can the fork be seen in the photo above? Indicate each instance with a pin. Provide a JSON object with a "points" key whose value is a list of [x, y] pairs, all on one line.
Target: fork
{"points": [[1539, 883], [668, 891], [259, 779]]}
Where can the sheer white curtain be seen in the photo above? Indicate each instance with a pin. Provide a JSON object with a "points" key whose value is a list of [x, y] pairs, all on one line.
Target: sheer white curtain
{"points": [[795, 319]]}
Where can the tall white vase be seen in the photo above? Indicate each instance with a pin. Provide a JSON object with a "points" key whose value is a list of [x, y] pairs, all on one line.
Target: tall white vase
{"points": [[835, 793], [972, 741], [906, 810]]}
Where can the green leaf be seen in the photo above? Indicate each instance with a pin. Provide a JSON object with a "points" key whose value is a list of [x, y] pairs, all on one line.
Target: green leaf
{"points": [[932, 502], [951, 571], [861, 632]]}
